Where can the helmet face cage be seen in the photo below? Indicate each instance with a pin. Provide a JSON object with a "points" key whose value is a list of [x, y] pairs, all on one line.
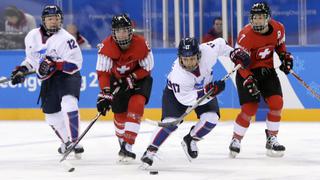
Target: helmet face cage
{"points": [[122, 24], [52, 10], [261, 8], [189, 47]]}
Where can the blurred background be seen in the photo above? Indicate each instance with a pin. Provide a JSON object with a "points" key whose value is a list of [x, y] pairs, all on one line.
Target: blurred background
{"points": [[163, 23]]}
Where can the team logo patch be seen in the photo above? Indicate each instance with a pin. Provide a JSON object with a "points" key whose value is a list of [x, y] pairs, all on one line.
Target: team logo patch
{"points": [[264, 53]]}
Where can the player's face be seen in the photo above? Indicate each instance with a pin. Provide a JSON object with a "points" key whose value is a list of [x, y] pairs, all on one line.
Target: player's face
{"points": [[189, 63], [260, 20], [122, 34], [218, 26], [52, 22], [12, 19]]}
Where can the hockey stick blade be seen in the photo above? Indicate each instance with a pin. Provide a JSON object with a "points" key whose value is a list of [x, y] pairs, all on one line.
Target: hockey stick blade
{"points": [[9, 79], [191, 108]]}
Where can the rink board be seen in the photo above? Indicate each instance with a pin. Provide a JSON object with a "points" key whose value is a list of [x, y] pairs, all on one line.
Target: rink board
{"points": [[19, 101]]}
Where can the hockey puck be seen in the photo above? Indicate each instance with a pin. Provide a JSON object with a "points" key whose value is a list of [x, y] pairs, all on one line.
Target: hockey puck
{"points": [[154, 172]]}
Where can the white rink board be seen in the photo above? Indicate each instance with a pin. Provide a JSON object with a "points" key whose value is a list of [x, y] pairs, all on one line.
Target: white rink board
{"points": [[28, 151]]}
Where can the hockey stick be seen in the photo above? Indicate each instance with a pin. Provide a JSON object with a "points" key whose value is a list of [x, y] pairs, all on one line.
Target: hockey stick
{"points": [[189, 109], [305, 84], [9, 79], [69, 150]]}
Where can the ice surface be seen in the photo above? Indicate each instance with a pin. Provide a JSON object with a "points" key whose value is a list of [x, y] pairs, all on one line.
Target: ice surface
{"points": [[28, 151]]}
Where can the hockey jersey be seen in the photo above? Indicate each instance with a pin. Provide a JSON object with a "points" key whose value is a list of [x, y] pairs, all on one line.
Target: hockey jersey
{"points": [[137, 59], [61, 47], [185, 84], [261, 47]]}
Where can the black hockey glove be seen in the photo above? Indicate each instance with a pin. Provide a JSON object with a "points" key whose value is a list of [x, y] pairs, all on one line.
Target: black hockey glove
{"points": [[239, 56], [287, 62], [104, 101], [250, 85], [217, 86], [17, 75], [47, 67]]}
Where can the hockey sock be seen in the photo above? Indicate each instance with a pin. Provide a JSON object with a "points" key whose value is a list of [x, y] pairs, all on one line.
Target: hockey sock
{"points": [[135, 112], [243, 119], [119, 120], [207, 122], [275, 104], [73, 118]]}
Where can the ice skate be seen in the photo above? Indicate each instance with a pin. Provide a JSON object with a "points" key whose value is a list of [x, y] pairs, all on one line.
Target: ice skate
{"points": [[190, 147], [78, 150], [274, 149], [125, 155], [234, 148], [147, 158]]}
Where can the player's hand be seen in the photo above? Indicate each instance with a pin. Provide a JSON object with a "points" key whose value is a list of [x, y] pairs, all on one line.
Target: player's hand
{"points": [[130, 80], [104, 101], [250, 85], [17, 75], [239, 56], [217, 86], [287, 62], [47, 67]]}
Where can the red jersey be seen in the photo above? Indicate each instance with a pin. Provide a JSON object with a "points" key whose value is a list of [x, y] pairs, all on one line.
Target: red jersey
{"points": [[113, 61], [261, 47]]}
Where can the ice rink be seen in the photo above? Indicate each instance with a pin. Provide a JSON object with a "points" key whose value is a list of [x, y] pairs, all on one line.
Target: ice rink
{"points": [[28, 151]]}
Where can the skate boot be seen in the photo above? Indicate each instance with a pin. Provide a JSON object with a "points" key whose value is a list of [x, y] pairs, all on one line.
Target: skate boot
{"points": [[234, 148], [274, 149], [189, 145], [125, 153], [148, 155], [78, 150]]}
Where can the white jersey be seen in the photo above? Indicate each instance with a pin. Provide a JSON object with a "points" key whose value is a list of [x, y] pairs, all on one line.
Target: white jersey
{"points": [[185, 84], [61, 46]]}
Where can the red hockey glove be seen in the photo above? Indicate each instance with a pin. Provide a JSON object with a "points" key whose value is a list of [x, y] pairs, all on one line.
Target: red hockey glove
{"points": [[217, 86], [239, 56], [287, 62], [47, 67]]}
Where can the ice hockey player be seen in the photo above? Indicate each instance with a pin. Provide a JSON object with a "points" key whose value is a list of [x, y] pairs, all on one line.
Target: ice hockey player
{"points": [[261, 38], [57, 59], [124, 61], [191, 78]]}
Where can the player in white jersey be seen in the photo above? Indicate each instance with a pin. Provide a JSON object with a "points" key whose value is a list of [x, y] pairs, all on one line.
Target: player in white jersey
{"points": [[190, 79], [56, 57]]}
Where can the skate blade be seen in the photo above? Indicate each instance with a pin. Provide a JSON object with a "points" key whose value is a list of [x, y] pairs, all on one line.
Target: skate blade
{"points": [[233, 154], [125, 160], [185, 149], [277, 154], [144, 166]]}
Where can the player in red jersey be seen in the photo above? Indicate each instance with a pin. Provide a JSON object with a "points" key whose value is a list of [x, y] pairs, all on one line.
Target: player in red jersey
{"points": [[260, 39], [125, 61]]}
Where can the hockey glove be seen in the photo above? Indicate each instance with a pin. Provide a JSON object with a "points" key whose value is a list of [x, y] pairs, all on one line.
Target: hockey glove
{"points": [[130, 79], [287, 62], [217, 86], [250, 85], [239, 56], [17, 75], [47, 67], [104, 101]]}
